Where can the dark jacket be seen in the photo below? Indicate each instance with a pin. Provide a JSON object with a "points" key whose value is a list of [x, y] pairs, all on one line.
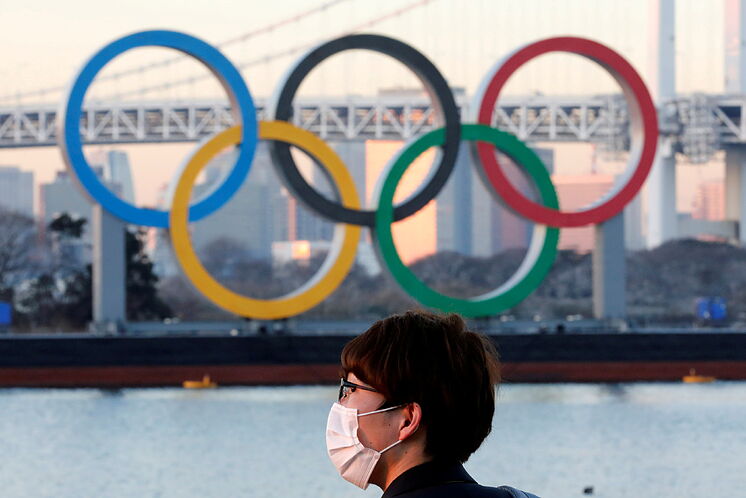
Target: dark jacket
{"points": [[446, 480]]}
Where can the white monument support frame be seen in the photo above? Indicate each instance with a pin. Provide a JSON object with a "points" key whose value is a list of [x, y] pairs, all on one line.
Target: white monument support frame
{"points": [[610, 270], [109, 269]]}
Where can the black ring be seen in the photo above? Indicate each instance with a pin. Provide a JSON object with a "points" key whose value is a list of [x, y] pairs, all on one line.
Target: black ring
{"points": [[281, 108]]}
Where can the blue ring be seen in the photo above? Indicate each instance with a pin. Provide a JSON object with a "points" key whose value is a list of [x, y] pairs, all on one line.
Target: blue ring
{"points": [[218, 64]]}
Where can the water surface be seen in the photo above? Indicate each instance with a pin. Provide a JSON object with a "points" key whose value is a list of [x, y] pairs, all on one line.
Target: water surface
{"points": [[625, 440]]}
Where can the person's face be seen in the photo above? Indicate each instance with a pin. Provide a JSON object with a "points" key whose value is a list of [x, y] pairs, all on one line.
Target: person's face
{"points": [[378, 430]]}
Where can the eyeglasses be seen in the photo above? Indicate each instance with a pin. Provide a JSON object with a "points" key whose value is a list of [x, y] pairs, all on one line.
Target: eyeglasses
{"points": [[346, 387]]}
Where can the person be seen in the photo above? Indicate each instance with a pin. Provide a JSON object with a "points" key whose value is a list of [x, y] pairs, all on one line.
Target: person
{"points": [[416, 399]]}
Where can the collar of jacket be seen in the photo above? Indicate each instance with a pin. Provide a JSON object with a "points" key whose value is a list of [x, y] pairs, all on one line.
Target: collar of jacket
{"points": [[426, 475]]}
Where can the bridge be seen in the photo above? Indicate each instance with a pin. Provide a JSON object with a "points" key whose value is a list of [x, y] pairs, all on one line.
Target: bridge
{"points": [[697, 125]]}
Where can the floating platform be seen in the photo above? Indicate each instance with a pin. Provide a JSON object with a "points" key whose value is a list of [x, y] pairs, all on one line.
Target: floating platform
{"points": [[76, 360]]}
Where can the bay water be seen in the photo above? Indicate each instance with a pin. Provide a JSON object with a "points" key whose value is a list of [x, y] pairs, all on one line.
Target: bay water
{"points": [[555, 440]]}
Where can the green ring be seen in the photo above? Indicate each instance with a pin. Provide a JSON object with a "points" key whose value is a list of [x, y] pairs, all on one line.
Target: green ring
{"points": [[542, 250]]}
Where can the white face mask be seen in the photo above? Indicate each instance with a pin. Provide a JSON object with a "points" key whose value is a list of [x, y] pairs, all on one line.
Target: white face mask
{"points": [[354, 461]]}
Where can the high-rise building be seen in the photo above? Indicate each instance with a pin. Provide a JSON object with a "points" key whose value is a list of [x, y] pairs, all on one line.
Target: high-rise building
{"points": [[246, 217], [471, 220], [453, 208], [352, 153], [17, 190], [262, 212], [163, 258], [709, 201], [259, 214], [117, 171], [283, 205], [292, 220], [483, 216], [309, 225], [579, 192], [575, 193], [64, 196]]}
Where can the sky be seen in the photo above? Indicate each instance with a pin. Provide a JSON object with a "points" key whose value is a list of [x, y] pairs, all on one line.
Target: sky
{"points": [[46, 42]]}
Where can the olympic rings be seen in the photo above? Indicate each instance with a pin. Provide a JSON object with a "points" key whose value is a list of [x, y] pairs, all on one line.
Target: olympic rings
{"points": [[338, 261], [643, 120], [281, 108], [541, 252], [242, 104], [348, 212]]}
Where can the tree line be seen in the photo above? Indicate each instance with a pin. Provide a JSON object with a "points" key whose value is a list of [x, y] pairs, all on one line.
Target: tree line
{"points": [[662, 284], [48, 281], [45, 275]]}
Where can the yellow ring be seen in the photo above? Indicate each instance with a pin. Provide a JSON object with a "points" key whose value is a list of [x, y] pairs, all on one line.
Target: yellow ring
{"points": [[337, 263]]}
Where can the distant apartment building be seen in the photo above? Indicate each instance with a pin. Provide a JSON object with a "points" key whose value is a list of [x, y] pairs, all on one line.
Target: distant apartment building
{"points": [[579, 192], [263, 217], [709, 201], [17, 190], [245, 218], [453, 208], [245, 221], [117, 171], [576, 193], [308, 224], [470, 218], [63, 195]]}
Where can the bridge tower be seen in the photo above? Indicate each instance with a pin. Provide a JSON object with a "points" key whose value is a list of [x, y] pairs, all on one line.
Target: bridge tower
{"points": [[735, 84], [661, 184]]}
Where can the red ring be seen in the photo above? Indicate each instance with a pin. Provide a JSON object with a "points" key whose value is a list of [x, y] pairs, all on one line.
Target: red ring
{"points": [[642, 115]]}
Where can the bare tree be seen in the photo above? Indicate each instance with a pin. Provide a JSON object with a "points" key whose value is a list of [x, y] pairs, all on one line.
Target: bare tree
{"points": [[17, 247]]}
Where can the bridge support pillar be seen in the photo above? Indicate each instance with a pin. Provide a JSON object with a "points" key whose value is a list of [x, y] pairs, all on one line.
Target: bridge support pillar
{"points": [[735, 189], [109, 288], [609, 270], [661, 184], [661, 196], [735, 46]]}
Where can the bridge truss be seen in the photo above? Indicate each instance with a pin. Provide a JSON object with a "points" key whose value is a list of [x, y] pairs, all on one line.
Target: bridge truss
{"points": [[698, 125]]}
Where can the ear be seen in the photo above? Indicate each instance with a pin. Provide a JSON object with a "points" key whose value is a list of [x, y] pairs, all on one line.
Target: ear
{"points": [[411, 421]]}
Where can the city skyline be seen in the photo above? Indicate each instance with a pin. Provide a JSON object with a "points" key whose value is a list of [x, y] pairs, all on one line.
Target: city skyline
{"points": [[245, 218], [473, 48]]}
